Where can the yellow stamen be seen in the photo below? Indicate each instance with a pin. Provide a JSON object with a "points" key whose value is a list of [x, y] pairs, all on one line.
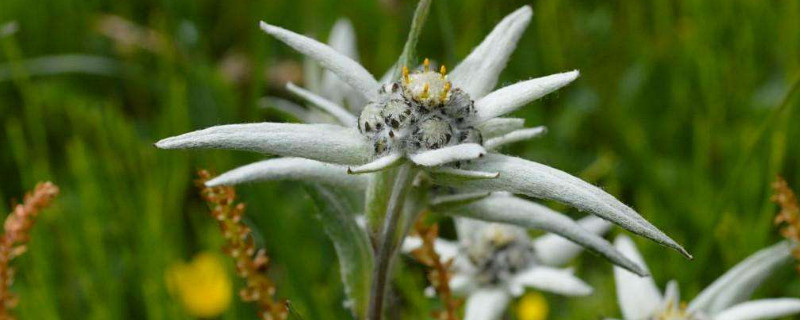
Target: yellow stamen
{"points": [[443, 71], [447, 87], [427, 64], [425, 89], [406, 79]]}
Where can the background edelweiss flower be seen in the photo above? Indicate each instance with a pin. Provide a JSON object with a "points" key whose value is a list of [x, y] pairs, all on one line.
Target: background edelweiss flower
{"points": [[724, 299], [494, 263], [446, 126]]}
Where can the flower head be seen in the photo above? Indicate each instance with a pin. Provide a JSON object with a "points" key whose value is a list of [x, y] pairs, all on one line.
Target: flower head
{"points": [[202, 285], [725, 299], [493, 263]]}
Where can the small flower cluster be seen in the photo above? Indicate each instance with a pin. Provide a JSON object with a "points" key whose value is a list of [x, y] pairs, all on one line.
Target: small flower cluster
{"points": [[251, 264], [789, 216], [418, 113], [17, 227], [439, 274]]}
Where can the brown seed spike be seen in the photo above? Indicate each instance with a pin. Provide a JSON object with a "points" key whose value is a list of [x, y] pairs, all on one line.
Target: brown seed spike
{"points": [[443, 71], [406, 79], [427, 65], [425, 89]]}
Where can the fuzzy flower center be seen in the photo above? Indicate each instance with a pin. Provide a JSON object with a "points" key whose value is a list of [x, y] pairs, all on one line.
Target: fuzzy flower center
{"points": [[500, 251], [421, 111], [676, 311]]}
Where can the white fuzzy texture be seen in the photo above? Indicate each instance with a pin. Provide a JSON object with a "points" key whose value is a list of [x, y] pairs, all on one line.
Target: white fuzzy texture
{"points": [[342, 39], [457, 199], [560, 281], [499, 126], [343, 66], [453, 173], [554, 250], [341, 114], [377, 164], [510, 98], [638, 297], [540, 181], [516, 211], [477, 74], [738, 283], [486, 304], [437, 157], [761, 309], [293, 169], [322, 142], [446, 249], [514, 136]]}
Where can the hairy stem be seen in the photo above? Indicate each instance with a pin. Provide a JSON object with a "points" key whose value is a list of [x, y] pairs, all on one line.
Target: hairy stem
{"points": [[386, 248]]}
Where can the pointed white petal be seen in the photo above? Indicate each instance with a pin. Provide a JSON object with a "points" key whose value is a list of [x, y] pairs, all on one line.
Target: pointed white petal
{"points": [[540, 181], [459, 199], [739, 282], [672, 297], [327, 143], [554, 250], [341, 114], [515, 96], [343, 40], [513, 210], [761, 309], [559, 281], [460, 174], [638, 297], [377, 164], [478, 73], [496, 127], [347, 69], [514, 136], [460, 152], [461, 284], [294, 169], [486, 304], [445, 248]]}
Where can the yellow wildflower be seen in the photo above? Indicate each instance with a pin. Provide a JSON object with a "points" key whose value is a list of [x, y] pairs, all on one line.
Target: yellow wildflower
{"points": [[202, 286], [532, 306]]}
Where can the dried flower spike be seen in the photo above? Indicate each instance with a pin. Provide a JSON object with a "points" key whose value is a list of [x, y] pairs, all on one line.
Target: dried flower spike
{"points": [[789, 217], [439, 273], [13, 242], [251, 264]]}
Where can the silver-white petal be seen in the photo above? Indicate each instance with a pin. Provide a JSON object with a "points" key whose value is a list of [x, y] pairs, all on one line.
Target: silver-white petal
{"points": [[638, 297], [341, 114], [739, 282], [343, 66], [444, 248], [461, 174], [379, 164], [477, 74], [554, 250], [514, 136], [510, 98], [540, 181], [322, 142], [512, 210], [496, 127], [486, 304], [761, 309], [559, 281], [459, 152], [293, 169], [342, 39]]}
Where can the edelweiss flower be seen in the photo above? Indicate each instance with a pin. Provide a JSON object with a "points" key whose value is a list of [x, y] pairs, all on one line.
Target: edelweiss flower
{"points": [[434, 121], [640, 299], [494, 263]]}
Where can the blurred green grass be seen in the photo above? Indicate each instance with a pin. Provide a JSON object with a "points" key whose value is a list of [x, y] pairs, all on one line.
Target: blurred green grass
{"points": [[676, 113]]}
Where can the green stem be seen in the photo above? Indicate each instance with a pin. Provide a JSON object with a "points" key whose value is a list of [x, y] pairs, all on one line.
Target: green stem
{"points": [[408, 56], [386, 248]]}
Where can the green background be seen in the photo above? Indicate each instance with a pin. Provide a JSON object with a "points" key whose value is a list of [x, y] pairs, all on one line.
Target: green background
{"points": [[678, 112]]}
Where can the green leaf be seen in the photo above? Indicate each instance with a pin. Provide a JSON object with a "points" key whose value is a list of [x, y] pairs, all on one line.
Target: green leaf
{"points": [[350, 241], [409, 55]]}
